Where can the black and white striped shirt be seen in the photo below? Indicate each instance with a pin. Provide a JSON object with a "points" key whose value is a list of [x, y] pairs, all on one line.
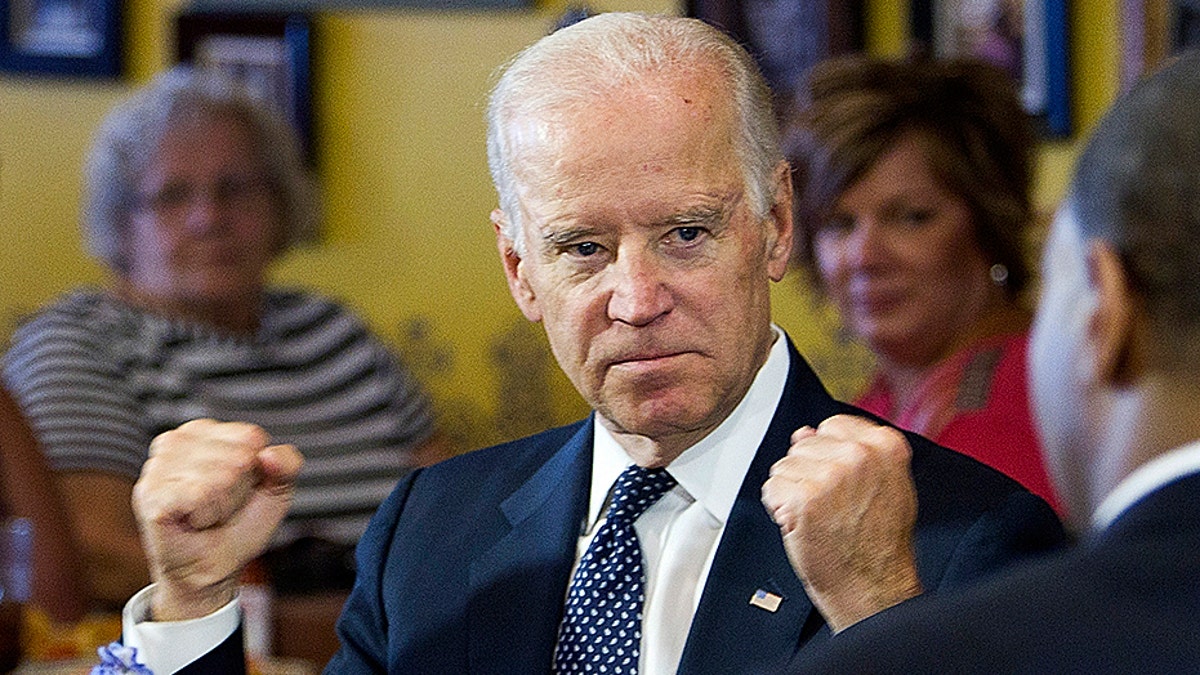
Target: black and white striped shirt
{"points": [[99, 379]]}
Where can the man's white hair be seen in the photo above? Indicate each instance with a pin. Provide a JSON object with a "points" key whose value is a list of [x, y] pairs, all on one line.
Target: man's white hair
{"points": [[569, 69]]}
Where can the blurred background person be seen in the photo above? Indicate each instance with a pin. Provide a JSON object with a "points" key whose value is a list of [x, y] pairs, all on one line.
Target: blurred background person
{"points": [[43, 595], [192, 189], [912, 192], [1113, 362]]}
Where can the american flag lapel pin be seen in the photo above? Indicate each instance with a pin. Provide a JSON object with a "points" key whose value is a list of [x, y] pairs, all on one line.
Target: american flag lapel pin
{"points": [[765, 600]]}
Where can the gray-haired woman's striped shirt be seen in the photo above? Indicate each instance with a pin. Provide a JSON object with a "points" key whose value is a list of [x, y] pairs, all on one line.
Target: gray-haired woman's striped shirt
{"points": [[99, 379]]}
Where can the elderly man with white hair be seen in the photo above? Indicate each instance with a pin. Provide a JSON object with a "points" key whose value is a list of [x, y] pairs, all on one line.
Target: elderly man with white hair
{"points": [[645, 210]]}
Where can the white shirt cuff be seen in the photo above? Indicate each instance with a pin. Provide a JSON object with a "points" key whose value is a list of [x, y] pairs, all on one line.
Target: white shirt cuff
{"points": [[165, 647]]}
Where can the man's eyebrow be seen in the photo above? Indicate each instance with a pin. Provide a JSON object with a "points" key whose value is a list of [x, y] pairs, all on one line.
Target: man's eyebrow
{"points": [[717, 212], [567, 235], [704, 214]]}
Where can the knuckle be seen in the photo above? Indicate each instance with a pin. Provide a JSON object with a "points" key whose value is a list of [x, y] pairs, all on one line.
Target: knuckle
{"points": [[148, 468], [893, 441], [776, 469], [252, 436], [785, 516], [831, 424], [163, 442], [853, 454], [140, 498], [196, 425], [236, 466], [844, 421], [768, 493]]}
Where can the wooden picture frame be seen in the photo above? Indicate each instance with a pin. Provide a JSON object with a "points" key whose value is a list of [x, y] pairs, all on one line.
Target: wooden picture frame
{"points": [[787, 38], [70, 38], [1153, 30], [270, 53], [1029, 38], [339, 5]]}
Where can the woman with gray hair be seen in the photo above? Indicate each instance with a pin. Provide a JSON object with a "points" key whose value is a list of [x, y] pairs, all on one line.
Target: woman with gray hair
{"points": [[193, 188]]}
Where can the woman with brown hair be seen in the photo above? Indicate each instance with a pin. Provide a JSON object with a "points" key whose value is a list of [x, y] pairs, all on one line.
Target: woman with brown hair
{"points": [[912, 192]]}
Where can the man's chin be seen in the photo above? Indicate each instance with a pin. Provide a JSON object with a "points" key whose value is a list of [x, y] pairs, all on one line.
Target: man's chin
{"points": [[660, 419]]}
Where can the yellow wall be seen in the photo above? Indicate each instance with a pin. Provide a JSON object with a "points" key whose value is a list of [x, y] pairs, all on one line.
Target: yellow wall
{"points": [[399, 106]]}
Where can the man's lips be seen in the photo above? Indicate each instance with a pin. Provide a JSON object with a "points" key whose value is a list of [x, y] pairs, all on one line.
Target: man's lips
{"points": [[644, 360]]}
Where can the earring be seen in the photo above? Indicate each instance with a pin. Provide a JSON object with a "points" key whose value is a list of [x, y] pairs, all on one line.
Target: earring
{"points": [[999, 274]]}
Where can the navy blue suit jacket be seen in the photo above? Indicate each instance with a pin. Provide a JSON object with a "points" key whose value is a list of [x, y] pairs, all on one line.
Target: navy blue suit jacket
{"points": [[1125, 600], [464, 569]]}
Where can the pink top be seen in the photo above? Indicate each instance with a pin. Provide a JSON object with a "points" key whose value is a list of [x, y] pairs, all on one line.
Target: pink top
{"points": [[976, 402]]}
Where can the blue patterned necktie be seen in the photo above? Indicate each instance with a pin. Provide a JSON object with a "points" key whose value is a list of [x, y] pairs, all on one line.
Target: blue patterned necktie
{"points": [[601, 631]]}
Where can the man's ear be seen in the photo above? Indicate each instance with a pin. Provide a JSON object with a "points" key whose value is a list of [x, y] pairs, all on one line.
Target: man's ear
{"points": [[514, 270], [1115, 327], [779, 224]]}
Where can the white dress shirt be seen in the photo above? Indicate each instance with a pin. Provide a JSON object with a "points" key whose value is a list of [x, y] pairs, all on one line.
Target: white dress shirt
{"points": [[167, 646], [1146, 479], [678, 534]]}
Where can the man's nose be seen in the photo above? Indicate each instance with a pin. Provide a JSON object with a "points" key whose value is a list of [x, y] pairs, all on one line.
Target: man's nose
{"points": [[640, 293]]}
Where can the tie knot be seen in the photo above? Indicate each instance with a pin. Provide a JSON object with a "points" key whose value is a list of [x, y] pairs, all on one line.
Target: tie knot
{"points": [[635, 490]]}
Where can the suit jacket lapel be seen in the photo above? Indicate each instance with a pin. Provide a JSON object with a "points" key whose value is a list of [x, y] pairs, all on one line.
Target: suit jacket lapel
{"points": [[518, 585], [728, 634]]}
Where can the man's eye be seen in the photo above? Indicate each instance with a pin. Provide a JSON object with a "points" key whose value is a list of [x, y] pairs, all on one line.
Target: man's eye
{"points": [[586, 249], [685, 234]]}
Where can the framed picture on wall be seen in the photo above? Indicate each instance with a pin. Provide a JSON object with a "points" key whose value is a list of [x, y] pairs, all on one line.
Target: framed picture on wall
{"points": [[1186, 27], [79, 38], [1027, 38], [270, 53], [786, 37], [1152, 30]]}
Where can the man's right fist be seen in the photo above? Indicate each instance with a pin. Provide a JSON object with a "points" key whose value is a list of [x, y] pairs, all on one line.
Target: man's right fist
{"points": [[209, 498]]}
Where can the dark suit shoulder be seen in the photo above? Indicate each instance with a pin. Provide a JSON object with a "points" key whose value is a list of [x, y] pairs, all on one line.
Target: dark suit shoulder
{"points": [[1001, 523], [954, 486], [949, 482], [956, 481]]}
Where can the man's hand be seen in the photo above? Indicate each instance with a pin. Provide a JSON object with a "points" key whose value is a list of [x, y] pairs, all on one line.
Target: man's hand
{"points": [[207, 502], [845, 503]]}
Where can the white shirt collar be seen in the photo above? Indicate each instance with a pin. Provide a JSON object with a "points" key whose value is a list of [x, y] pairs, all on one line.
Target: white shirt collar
{"points": [[1146, 479], [712, 470]]}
